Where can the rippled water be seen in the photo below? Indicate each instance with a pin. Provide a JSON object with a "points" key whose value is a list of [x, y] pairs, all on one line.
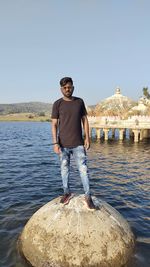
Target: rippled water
{"points": [[30, 177]]}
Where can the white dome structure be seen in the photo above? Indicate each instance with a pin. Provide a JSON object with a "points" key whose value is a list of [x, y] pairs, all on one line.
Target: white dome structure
{"points": [[116, 104]]}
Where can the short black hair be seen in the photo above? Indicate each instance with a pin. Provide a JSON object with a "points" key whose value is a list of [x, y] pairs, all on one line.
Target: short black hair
{"points": [[66, 80]]}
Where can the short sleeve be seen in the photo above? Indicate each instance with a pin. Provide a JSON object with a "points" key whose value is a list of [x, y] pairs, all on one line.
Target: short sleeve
{"points": [[55, 111]]}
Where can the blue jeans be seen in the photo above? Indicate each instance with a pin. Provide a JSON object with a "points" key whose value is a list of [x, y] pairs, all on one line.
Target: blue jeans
{"points": [[80, 158]]}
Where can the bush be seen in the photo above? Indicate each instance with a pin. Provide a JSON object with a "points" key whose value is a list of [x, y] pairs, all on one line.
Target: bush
{"points": [[41, 114], [31, 116]]}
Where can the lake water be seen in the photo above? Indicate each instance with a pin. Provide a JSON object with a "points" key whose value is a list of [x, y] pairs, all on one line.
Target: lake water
{"points": [[30, 177]]}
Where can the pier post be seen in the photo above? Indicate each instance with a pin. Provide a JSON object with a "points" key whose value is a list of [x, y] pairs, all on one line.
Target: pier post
{"points": [[98, 133], [136, 135], [141, 135], [121, 134], [106, 133]]}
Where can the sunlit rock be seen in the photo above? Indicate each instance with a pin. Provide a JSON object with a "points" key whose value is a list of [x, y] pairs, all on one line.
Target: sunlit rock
{"points": [[72, 235]]}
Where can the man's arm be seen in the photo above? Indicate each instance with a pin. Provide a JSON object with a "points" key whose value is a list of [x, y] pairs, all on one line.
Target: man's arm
{"points": [[86, 132], [54, 135]]}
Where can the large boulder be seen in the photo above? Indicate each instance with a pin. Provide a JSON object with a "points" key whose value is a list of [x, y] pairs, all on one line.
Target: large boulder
{"points": [[72, 235]]}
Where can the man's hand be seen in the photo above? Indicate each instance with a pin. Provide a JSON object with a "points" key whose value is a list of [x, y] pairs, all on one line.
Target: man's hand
{"points": [[86, 144], [57, 149]]}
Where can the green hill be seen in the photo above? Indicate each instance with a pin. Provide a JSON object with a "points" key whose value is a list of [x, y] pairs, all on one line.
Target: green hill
{"points": [[30, 107]]}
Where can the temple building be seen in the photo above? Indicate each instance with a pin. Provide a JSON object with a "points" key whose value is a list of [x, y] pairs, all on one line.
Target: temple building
{"points": [[116, 104]]}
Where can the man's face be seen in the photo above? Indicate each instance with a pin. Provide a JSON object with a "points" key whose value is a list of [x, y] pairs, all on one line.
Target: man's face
{"points": [[67, 90]]}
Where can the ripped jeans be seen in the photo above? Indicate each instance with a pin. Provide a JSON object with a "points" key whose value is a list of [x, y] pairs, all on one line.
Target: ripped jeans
{"points": [[80, 158]]}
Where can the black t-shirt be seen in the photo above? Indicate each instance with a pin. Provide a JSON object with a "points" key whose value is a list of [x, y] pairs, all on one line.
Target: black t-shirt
{"points": [[69, 114]]}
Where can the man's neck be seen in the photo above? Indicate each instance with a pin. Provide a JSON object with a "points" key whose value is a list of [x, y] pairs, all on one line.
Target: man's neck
{"points": [[68, 98]]}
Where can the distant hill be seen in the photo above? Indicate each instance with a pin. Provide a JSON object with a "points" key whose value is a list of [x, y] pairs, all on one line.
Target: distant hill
{"points": [[29, 107]]}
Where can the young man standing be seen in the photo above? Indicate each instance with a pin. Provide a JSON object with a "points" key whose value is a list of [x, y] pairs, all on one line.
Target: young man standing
{"points": [[68, 116]]}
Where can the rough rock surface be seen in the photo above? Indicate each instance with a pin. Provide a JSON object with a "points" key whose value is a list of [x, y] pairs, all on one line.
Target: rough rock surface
{"points": [[72, 235]]}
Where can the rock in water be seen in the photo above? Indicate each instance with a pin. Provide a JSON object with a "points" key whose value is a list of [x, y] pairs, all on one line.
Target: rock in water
{"points": [[72, 235]]}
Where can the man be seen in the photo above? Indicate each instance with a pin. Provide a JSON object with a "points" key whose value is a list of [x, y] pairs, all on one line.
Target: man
{"points": [[68, 116]]}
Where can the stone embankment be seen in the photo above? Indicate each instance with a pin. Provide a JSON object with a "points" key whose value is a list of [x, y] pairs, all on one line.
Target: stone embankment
{"points": [[72, 235]]}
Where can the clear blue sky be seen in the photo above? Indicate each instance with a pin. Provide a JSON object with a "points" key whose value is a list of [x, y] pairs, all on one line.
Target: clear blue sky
{"points": [[101, 44]]}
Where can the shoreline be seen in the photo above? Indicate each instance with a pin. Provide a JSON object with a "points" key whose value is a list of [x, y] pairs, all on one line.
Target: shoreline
{"points": [[24, 117]]}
